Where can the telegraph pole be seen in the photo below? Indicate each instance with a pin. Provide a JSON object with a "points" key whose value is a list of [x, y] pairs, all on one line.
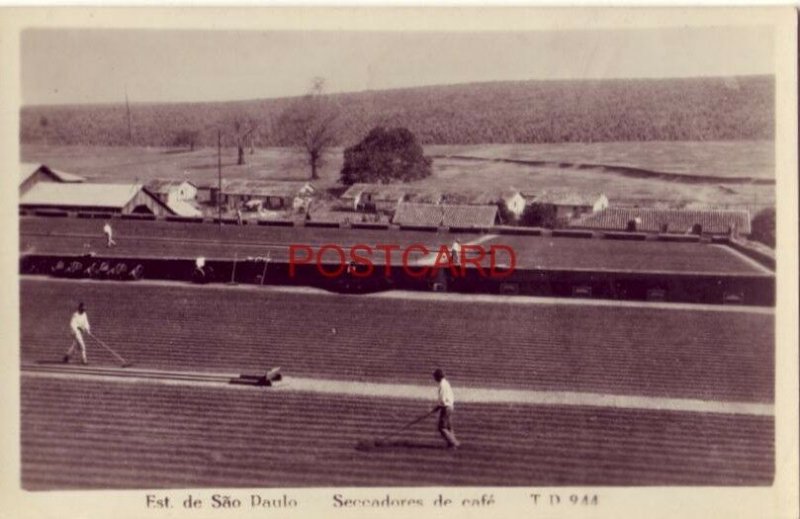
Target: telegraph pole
{"points": [[219, 175], [128, 112]]}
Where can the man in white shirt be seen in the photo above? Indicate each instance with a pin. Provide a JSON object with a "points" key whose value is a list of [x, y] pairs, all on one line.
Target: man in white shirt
{"points": [[445, 406], [456, 250], [77, 325], [109, 235]]}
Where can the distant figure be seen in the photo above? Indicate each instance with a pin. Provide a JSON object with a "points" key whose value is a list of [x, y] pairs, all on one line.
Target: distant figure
{"points": [[456, 250], [109, 235], [239, 217], [78, 324], [445, 408], [200, 264]]}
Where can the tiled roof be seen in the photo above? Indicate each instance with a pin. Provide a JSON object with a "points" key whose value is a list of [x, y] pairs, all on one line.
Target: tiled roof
{"points": [[26, 169], [391, 192], [445, 215], [677, 220], [80, 195], [469, 215], [182, 208]]}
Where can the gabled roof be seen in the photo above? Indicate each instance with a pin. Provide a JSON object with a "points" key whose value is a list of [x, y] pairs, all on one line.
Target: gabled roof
{"points": [[26, 169], [81, 195], [469, 215], [445, 215], [353, 192], [714, 221], [391, 192], [181, 208], [164, 186], [566, 198]]}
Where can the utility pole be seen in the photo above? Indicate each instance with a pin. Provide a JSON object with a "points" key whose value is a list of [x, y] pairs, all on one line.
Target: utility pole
{"points": [[128, 111], [219, 174]]}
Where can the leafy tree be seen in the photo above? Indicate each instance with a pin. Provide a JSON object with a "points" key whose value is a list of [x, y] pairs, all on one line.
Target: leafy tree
{"points": [[186, 137], [310, 125], [763, 227], [540, 215], [385, 155]]}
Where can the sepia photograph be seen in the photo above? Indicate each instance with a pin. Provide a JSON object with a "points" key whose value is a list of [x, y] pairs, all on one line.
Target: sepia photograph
{"points": [[353, 259]]}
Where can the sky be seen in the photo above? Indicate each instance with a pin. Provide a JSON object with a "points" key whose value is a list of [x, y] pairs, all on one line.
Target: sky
{"points": [[61, 66]]}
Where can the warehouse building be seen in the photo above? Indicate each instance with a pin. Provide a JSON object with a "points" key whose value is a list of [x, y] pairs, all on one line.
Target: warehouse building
{"points": [[91, 197], [386, 197], [179, 195], [31, 174], [273, 195], [568, 205], [695, 221]]}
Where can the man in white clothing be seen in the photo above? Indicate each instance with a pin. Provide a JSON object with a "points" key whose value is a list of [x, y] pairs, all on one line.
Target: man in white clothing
{"points": [[77, 325], [109, 235], [456, 251], [445, 406]]}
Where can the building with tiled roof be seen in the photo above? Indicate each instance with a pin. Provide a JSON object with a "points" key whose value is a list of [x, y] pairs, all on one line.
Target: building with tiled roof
{"points": [[90, 197], [269, 194], [178, 194], [697, 221], [385, 197], [569, 205]]}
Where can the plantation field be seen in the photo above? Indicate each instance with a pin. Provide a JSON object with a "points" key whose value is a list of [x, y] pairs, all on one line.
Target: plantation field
{"points": [[190, 240], [91, 435], [618, 110], [616, 349], [123, 164]]}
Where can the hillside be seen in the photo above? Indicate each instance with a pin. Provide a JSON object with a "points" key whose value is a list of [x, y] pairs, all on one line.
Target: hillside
{"points": [[698, 109]]}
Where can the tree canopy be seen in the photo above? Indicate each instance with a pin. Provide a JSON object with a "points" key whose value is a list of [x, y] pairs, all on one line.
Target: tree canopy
{"points": [[309, 124], [383, 156], [763, 227]]}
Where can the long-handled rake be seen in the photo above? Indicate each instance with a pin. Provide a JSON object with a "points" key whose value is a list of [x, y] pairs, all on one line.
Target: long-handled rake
{"points": [[266, 264], [383, 440], [124, 363], [233, 271]]}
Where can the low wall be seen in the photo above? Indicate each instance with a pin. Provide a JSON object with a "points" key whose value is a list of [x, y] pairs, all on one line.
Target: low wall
{"points": [[756, 290]]}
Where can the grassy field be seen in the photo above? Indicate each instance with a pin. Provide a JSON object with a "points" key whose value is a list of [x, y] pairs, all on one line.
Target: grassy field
{"points": [[121, 164], [754, 159]]}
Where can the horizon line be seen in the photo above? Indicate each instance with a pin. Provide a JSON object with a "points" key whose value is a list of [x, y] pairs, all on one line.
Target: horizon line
{"points": [[396, 89]]}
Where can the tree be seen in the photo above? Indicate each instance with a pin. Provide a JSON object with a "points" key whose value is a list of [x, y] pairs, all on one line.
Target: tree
{"points": [[540, 215], [241, 128], [310, 125], [762, 228], [186, 137], [385, 155]]}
